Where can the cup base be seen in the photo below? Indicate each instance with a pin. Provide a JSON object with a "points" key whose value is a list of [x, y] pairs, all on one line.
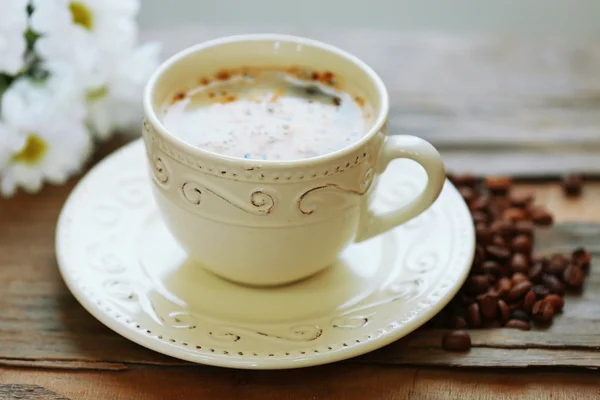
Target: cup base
{"points": [[265, 284]]}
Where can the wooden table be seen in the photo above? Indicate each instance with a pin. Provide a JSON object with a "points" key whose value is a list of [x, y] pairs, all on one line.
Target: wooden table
{"points": [[27, 262]]}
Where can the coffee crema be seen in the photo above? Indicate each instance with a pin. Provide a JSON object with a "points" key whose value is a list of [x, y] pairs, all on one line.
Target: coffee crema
{"points": [[268, 114]]}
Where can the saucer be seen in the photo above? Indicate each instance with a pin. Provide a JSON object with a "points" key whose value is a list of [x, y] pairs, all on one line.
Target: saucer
{"points": [[122, 264]]}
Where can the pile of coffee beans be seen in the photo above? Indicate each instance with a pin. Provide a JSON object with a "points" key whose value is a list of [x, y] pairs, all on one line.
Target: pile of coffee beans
{"points": [[508, 286]]}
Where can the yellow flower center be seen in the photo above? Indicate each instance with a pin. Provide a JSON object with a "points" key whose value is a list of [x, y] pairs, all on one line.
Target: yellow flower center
{"points": [[81, 15], [97, 94], [34, 150]]}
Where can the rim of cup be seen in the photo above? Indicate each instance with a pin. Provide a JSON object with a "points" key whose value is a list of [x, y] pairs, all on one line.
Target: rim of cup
{"points": [[154, 120]]}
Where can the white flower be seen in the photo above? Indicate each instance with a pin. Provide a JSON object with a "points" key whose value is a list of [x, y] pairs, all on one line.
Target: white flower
{"points": [[11, 142], [84, 33], [50, 115], [117, 104], [13, 24]]}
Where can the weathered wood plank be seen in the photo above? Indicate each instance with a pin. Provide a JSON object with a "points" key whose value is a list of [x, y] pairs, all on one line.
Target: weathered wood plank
{"points": [[486, 357], [509, 339], [336, 381], [63, 364], [27, 392]]}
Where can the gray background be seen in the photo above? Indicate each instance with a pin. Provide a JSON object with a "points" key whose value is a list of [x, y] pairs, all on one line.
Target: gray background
{"points": [[529, 17]]}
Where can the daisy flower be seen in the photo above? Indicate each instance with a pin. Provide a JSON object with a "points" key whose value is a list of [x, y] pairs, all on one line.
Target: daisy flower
{"points": [[83, 32], [116, 104], [50, 118], [11, 142], [13, 24]]}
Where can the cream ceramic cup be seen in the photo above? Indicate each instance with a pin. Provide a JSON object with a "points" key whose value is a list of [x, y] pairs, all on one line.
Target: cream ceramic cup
{"points": [[274, 222]]}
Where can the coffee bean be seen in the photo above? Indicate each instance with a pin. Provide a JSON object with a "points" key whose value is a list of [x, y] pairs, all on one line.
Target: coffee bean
{"points": [[574, 276], [478, 284], [503, 310], [498, 184], [459, 323], [519, 263], [502, 228], [540, 216], [474, 315], [572, 185], [483, 233], [495, 211], [556, 265], [480, 217], [479, 254], [524, 228], [456, 341], [542, 311], [518, 291], [480, 203], [488, 304], [514, 214], [503, 286], [535, 272], [520, 315], [467, 193], [498, 206], [497, 240], [540, 291], [529, 301], [518, 277], [553, 284], [499, 253], [521, 200], [490, 267], [517, 324], [581, 257], [557, 302], [464, 180], [521, 244], [517, 305]]}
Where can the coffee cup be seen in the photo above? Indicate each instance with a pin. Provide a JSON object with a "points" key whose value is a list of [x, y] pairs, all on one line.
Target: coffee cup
{"points": [[272, 222]]}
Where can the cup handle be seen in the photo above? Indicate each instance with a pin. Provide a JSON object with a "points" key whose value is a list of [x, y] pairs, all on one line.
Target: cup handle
{"points": [[412, 148]]}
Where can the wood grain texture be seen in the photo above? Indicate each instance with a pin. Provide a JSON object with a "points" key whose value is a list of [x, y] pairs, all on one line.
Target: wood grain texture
{"points": [[521, 102], [47, 338], [27, 392], [565, 209], [59, 364], [334, 382]]}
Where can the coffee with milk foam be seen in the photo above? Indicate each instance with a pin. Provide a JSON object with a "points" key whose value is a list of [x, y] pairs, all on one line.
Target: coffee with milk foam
{"points": [[268, 114]]}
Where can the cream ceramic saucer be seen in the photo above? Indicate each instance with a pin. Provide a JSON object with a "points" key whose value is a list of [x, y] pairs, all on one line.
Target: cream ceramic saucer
{"points": [[123, 266]]}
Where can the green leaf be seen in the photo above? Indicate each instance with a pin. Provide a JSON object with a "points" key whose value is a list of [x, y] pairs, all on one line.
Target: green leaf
{"points": [[5, 81], [31, 37]]}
